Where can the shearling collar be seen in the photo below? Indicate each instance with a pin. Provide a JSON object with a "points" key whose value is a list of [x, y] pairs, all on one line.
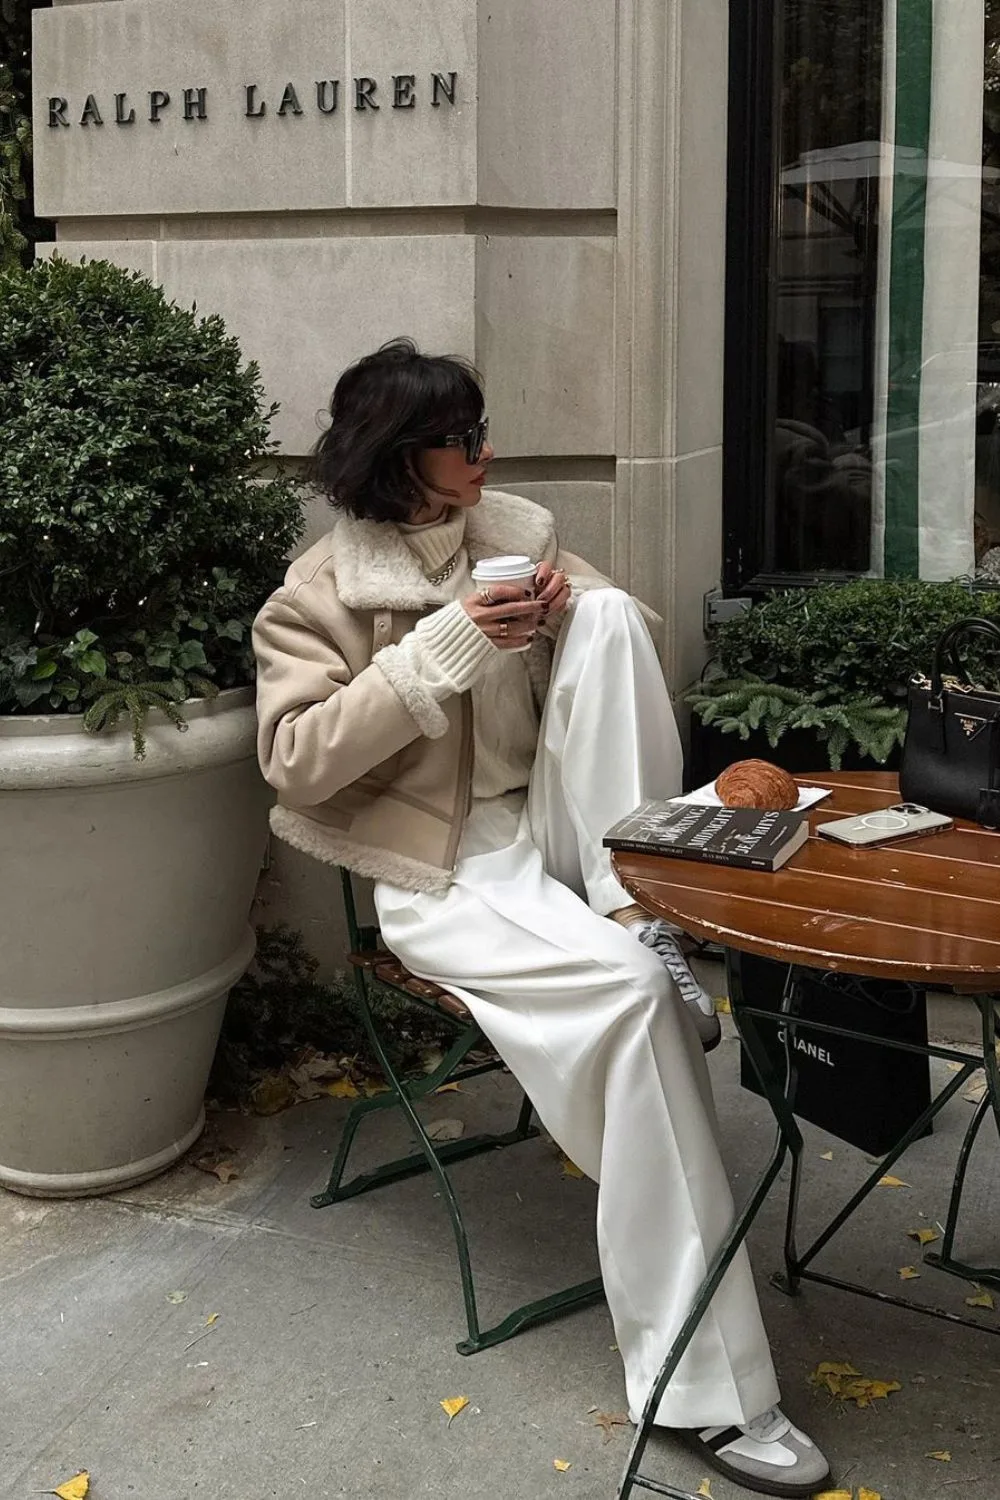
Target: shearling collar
{"points": [[376, 569]]}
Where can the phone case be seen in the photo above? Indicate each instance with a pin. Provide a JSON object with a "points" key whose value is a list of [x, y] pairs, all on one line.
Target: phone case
{"points": [[859, 832]]}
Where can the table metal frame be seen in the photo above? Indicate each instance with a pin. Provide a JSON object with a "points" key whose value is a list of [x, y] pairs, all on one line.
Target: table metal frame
{"points": [[789, 1142]]}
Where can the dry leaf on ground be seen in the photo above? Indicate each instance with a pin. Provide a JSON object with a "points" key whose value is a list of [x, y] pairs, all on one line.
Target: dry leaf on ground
{"points": [[891, 1182], [212, 1319], [312, 1071], [217, 1164], [176, 1297], [826, 1156], [272, 1093], [864, 1494], [722, 1005], [609, 1420], [975, 1089], [570, 1168], [75, 1488], [845, 1383], [449, 1088], [431, 1058], [445, 1130], [941, 1454], [342, 1088], [453, 1405], [909, 1273], [923, 1236], [372, 1086], [561, 1464], [705, 1488], [983, 1298], [834, 1495]]}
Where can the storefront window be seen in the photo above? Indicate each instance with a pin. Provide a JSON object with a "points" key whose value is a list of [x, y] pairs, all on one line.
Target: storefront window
{"points": [[863, 352]]}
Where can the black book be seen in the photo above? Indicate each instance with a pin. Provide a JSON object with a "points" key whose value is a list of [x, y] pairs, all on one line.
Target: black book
{"points": [[743, 836]]}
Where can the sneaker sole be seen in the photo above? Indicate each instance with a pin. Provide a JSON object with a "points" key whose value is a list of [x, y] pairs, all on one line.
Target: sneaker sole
{"points": [[753, 1482]]}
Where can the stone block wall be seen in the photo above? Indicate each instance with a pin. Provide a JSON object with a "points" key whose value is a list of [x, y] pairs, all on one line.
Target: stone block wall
{"points": [[538, 186]]}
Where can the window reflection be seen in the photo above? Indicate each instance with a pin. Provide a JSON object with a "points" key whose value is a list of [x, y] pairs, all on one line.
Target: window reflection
{"points": [[820, 512]]}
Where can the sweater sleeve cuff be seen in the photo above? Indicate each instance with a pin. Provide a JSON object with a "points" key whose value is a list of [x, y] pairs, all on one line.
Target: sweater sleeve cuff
{"points": [[455, 645]]}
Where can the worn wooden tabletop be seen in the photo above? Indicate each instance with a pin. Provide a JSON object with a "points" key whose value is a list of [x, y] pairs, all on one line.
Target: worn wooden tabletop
{"points": [[925, 909]]}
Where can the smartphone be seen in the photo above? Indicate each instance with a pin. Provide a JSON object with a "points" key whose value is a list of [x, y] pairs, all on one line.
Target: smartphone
{"points": [[903, 821]]}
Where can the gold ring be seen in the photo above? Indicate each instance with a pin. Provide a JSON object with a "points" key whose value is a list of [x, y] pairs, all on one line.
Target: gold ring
{"points": [[485, 597], [504, 628]]}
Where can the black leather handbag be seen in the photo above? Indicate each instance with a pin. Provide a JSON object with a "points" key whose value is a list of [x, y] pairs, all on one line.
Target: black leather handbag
{"points": [[951, 756]]}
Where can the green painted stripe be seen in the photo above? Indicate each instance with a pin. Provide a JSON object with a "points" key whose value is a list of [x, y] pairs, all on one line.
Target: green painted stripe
{"points": [[914, 49]]}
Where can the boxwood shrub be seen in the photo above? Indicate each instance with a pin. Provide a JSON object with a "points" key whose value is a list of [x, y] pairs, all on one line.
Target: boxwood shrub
{"points": [[143, 515]]}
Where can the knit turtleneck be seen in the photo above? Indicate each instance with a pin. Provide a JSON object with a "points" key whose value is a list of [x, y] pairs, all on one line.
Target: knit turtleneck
{"points": [[436, 543]]}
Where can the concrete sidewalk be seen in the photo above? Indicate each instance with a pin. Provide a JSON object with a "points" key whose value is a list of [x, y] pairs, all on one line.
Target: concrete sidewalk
{"points": [[335, 1333]]}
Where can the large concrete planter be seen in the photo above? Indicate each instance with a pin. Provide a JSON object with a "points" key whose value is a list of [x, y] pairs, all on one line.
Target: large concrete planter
{"points": [[125, 888]]}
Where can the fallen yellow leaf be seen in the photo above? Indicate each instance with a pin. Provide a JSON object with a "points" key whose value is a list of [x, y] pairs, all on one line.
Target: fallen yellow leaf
{"points": [[561, 1465], [942, 1455], [983, 1298], [371, 1089], [909, 1273], [833, 1495], [891, 1182], [826, 1156], [449, 1088], [922, 1236], [342, 1088], [722, 1005], [705, 1488], [211, 1320], [75, 1488], [864, 1494], [846, 1384], [570, 1168], [453, 1405]]}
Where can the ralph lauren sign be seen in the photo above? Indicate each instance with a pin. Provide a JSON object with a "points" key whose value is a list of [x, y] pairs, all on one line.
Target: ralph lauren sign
{"points": [[323, 96]]}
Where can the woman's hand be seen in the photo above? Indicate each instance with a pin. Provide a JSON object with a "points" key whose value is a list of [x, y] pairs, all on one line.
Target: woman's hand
{"points": [[552, 591], [505, 615]]}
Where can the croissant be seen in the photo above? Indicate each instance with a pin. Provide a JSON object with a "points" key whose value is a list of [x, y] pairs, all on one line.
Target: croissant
{"points": [[756, 783]]}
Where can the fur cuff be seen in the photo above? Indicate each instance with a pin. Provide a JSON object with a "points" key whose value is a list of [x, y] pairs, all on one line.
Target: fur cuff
{"points": [[429, 717]]}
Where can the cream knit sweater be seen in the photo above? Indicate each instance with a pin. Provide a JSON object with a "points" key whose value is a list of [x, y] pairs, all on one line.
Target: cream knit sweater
{"points": [[451, 655]]}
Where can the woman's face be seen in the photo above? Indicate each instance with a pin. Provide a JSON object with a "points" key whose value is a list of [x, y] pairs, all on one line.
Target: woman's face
{"points": [[448, 469]]}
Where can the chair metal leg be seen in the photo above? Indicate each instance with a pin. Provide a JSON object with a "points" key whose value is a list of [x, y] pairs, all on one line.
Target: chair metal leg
{"points": [[402, 1094]]}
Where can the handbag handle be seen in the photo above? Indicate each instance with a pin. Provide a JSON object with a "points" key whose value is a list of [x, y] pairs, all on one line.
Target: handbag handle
{"points": [[947, 648]]}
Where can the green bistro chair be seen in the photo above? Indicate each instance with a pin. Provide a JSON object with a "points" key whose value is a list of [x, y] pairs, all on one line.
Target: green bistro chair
{"points": [[470, 1054]]}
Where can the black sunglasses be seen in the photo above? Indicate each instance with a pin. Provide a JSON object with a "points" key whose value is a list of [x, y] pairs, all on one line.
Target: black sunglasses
{"points": [[472, 441]]}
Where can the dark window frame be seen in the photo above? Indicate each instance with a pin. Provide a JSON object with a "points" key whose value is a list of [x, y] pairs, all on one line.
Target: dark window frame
{"points": [[749, 385]]}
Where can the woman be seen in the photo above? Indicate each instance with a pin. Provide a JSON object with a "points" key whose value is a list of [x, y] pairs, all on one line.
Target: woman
{"points": [[412, 737]]}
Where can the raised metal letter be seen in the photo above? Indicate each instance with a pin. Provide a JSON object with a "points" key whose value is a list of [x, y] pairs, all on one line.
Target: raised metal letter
{"points": [[57, 112], [158, 101], [403, 96], [91, 114], [364, 88], [121, 118], [195, 101], [327, 104], [289, 101], [444, 85], [252, 112]]}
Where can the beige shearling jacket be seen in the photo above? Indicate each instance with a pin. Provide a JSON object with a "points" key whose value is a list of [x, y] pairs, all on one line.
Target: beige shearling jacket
{"points": [[371, 772]]}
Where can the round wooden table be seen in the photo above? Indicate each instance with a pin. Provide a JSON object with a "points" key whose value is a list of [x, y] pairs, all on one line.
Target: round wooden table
{"points": [[925, 911]]}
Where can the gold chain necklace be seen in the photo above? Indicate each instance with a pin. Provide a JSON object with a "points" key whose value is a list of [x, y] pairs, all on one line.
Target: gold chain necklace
{"points": [[445, 573]]}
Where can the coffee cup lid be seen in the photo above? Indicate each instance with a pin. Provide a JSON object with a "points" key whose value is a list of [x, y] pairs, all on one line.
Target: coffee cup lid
{"points": [[495, 569]]}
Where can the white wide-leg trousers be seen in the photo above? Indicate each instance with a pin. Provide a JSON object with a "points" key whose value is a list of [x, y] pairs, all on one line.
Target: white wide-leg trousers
{"points": [[588, 1019]]}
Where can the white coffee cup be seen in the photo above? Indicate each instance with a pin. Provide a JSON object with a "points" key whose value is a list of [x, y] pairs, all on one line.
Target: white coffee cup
{"points": [[514, 571]]}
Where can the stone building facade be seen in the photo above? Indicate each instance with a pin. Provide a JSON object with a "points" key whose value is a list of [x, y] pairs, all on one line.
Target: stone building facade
{"points": [[538, 186]]}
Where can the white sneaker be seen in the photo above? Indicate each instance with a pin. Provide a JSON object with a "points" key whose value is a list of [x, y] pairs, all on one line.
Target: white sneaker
{"points": [[657, 936], [768, 1455]]}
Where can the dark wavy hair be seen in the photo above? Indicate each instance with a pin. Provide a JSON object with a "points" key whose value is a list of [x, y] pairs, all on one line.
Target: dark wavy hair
{"points": [[383, 411]]}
